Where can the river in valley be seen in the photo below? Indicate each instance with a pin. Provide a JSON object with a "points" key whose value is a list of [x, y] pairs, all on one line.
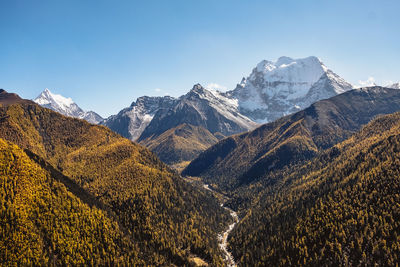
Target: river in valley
{"points": [[223, 237]]}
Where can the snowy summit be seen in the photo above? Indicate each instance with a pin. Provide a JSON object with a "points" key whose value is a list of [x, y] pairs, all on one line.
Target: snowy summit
{"points": [[275, 89], [65, 106]]}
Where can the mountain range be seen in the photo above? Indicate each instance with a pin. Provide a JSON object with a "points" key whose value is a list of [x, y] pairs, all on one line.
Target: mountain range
{"points": [[292, 167], [204, 111], [272, 90]]}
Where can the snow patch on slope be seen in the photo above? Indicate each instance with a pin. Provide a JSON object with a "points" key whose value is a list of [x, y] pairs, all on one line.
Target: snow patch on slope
{"points": [[226, 106], [132, 121]]}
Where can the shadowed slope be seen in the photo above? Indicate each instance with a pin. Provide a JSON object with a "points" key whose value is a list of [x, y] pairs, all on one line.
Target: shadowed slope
{"points": [[9, 98]]}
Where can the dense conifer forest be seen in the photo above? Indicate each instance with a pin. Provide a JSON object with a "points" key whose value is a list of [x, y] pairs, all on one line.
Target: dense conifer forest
{"points": [[150, 210], [316, 188], [73, 193], [341, 208]]}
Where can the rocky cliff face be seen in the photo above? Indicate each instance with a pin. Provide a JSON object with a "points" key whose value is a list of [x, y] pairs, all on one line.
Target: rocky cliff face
{"points": [[272, 90], [201, 107], [131, 121]]}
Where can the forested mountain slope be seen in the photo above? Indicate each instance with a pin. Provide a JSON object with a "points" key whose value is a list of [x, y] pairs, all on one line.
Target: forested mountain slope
{"points": [[43, 223], [340, 209], [162, 214], [244, 158]]}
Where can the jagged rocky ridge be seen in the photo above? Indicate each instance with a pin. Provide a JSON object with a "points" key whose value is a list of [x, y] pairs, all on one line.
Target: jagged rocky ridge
{"points": [[131, 121], [272, 90], [201, 107], [178, 129]]}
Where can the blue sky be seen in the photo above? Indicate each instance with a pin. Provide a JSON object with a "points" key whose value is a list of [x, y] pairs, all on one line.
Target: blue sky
{"points": [[105, 54]]}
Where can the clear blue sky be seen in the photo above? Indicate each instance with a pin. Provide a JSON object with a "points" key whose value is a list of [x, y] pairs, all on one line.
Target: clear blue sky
{"points": [[104, 54]]}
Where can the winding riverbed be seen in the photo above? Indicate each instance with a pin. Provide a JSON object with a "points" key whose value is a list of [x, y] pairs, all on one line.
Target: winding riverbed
{"points": [[223, 237]]}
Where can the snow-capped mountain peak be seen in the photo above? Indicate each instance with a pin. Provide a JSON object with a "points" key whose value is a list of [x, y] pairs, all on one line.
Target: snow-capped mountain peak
{"points": [[65, 106], [304, 71], [277, 88], [57, 101]]}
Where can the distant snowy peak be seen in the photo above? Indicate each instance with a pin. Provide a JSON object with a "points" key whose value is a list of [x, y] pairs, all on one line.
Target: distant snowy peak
{"points": [[275, 89], [54, 100], [65, 106], [287, 77]]}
